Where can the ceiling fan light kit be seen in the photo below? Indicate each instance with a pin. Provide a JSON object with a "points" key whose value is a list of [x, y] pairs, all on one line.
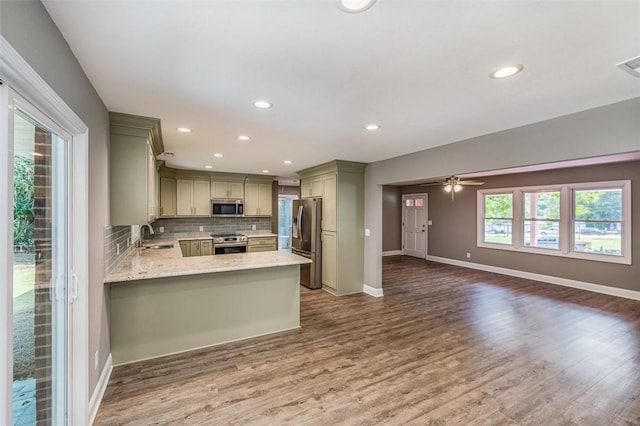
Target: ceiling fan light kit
{"points": [[453, 184]]}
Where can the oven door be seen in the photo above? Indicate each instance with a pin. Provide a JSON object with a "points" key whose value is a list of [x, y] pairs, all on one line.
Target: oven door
{"points": [[230, 248]]}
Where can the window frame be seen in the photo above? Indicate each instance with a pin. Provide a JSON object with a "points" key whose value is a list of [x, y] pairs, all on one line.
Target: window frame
{"points": [[566, 234]]}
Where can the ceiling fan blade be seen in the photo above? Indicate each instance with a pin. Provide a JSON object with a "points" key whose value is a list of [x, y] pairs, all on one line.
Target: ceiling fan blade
{"points": [[471, 182], [433, 183]]}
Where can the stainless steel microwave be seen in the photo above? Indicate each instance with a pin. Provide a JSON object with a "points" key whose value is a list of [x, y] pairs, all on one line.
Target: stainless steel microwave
{"points": [[227, 207]]}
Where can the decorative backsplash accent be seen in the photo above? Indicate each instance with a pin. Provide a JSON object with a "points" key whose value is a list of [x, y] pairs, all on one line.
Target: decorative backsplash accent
{"points": [[114, 236], [210, 225]]}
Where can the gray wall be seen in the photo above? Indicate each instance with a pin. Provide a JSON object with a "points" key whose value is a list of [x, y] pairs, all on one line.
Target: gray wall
{"points": [[453, 232], [26, 25], [391, 218], [611, 129]]}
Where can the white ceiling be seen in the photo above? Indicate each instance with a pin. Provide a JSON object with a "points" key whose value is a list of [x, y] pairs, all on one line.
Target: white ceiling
{"points": [[418, 68]]}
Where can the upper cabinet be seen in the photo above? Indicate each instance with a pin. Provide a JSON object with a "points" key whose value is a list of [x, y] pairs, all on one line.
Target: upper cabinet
{"points": [[258, 198], [168, 196], [193, 197], [189, 192], [133, 176], [220, 189], [311, 188]]}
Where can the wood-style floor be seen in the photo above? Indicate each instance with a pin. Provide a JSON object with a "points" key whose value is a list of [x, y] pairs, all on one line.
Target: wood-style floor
{"points": [[444, 346]]}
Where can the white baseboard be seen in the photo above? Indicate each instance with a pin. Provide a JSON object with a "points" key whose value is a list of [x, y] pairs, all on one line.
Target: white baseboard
{"points": [[392, 253], [596, 288], [372, 291], [98, 393]]}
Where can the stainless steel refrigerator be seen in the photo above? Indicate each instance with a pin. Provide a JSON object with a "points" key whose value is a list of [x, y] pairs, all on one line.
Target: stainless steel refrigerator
{"points": [[306, 239]]}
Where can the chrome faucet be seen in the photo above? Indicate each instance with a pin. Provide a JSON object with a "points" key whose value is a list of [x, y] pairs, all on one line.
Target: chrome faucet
{"points": [[142, 233]]}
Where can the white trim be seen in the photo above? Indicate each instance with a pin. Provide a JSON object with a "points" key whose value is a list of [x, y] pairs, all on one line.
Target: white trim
{"points": [[566, 222], [372, 291], [6, 261], [596, 288], [101, 387], [18, 75], [392, 253]]}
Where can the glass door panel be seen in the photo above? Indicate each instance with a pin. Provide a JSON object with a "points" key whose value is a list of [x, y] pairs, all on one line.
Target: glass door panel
{"points": [[40, 273]]}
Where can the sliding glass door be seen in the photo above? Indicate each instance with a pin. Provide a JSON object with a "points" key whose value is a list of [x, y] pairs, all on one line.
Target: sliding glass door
{"points": [[39, 256]]}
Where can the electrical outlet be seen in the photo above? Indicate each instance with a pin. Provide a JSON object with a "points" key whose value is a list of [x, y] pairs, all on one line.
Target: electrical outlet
{"points": [[201, 228], [96, 360], [118, 248], [253, 227], [367, 232], [161, 229], [429, 222], [468, 255]]}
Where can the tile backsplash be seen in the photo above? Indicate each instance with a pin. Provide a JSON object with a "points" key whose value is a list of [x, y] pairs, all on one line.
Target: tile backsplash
{"points": [[115, 246], [210, 225]]}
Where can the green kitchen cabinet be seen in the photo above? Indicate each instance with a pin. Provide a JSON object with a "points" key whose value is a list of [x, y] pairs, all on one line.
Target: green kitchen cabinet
{"points": [[133, 176]]}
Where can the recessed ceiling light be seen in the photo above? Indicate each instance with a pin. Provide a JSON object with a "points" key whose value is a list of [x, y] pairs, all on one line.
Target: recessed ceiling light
{"points": [[265, 171], [632, 66], [506, 71], [262, 104], [218, 155], [355, 6], [184, 129], [243, 138], [208, 167], [372, 126], [288, 161]]}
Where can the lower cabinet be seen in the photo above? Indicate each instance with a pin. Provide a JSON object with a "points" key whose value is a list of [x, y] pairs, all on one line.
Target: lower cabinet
{"points": [[256, 244], [329, 260], [196, 248], [206, 248]]}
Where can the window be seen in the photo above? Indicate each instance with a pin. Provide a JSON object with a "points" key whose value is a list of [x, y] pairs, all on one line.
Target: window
{"points": [[498, 218], [541, 219], [587, 220], [597, 221]]}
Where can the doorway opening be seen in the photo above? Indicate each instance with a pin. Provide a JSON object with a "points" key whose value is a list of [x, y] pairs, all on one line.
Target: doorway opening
{"points": [[285, 220]]}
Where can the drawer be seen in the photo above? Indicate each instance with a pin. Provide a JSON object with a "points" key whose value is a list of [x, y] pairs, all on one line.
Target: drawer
{"points": [[256, 249], [262, 241]]}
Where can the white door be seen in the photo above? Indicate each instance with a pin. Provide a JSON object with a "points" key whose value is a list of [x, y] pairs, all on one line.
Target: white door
{"points": [[40, 282], [414, 225]]}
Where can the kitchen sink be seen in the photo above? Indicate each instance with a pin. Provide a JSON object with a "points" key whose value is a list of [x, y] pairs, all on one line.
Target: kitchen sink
{"points": [[158, 246]]}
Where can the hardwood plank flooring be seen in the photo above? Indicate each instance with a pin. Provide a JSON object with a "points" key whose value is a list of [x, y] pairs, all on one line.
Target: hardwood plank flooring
{"points": [[445, 346]]}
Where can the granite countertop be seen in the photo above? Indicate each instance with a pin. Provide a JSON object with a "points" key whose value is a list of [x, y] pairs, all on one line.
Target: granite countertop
{"points": [[250, 234], [143, 264]]}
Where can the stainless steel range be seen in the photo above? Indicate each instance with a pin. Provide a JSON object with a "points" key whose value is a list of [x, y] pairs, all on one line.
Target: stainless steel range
{"points": [[229, 243]]}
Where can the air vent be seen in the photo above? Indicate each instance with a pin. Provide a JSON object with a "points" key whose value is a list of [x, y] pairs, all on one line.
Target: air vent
{"points": [[632, 66]]}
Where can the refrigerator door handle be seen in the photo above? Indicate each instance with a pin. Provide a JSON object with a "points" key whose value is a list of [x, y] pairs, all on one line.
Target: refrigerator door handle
{"points": [[299, 222]]}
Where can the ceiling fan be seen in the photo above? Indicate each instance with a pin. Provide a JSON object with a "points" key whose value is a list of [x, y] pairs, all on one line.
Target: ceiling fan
{"points": [[453, 184]]}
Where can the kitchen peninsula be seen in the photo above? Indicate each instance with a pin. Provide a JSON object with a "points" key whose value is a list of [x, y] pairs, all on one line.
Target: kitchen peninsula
{"points": [[162, 303]]}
